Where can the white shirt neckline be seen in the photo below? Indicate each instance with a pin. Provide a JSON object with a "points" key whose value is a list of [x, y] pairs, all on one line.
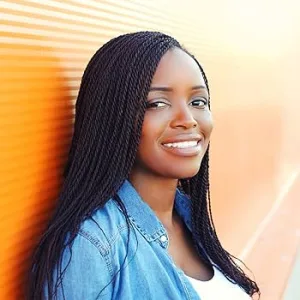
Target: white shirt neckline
{"points": [[218, 287]]}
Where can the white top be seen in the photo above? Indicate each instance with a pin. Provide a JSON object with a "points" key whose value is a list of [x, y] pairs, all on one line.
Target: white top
{"points": [[218, 287]]}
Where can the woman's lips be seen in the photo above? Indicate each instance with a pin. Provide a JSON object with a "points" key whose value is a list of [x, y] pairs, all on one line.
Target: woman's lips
{"points": [[185, 149]]}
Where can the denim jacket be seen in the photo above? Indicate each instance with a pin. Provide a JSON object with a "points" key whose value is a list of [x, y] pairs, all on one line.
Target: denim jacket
{"points": [[105, 265]]}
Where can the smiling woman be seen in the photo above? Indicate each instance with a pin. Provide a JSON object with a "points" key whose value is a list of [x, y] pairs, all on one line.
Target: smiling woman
{"points": [[133, 219]]}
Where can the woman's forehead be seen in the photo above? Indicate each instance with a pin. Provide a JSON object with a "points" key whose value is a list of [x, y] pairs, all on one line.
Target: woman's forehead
{"points": [[177, 66]]}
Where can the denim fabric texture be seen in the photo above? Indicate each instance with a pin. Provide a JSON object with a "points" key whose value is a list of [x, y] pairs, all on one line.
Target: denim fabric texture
{"points": [[106, 265]]}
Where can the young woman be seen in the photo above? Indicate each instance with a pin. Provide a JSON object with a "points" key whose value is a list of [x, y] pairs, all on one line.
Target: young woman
{"points": [[133, 219]]}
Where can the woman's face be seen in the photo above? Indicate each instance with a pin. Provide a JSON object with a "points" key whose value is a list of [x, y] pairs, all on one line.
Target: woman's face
{"points": [[178, 122]]}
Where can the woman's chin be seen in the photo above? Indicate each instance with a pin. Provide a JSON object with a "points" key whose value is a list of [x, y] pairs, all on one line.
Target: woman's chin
{"points": [[185, 173], [188, 175]]}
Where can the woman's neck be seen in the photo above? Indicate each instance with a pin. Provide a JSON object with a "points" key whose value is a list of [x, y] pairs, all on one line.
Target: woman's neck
{"points": [[158, 193]]}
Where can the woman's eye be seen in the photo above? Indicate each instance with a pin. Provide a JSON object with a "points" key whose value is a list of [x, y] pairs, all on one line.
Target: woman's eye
{"points": [[155, 105], [199, 103]]}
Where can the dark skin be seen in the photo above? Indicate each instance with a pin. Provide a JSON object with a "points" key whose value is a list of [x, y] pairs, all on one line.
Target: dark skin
{"points": [[175, 136]]}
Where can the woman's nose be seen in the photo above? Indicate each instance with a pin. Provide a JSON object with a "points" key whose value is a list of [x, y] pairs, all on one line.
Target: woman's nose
{"points": [[183, 118]]}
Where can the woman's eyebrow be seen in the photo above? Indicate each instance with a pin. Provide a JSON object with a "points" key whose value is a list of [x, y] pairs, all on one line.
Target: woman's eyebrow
{"points": [[199, 87], [160, 88], [168, 89]]}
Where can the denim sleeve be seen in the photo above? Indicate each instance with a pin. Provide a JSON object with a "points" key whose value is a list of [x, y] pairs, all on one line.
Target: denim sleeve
{"points": [[87, 275]]}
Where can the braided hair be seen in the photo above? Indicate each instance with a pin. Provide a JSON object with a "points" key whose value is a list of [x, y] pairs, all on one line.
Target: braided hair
{"points": [[110, 111]]}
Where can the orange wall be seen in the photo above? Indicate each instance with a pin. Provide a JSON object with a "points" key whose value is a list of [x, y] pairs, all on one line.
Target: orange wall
{"points": [[251, 55]]}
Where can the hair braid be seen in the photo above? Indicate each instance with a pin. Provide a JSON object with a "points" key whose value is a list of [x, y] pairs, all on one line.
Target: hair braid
{"points": [[204, 230]]}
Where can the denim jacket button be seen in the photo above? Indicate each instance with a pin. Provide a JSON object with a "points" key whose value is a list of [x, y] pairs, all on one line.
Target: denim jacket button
{"points": [[163, 238]]}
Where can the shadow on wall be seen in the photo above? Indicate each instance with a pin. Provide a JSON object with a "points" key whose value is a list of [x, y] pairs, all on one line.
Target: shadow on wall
{"points": [[35, 130]]}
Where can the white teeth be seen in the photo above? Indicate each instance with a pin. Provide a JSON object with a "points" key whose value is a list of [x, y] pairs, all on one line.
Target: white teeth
{"points": [[182, 144]]}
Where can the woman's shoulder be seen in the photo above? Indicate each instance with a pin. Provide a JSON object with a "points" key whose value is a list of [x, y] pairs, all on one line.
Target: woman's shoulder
{"points": [[88, 263], [103, 229]]}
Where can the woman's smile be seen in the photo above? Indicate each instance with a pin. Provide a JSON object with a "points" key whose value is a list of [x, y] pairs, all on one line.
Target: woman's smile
{"points": [[184, 145]]}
